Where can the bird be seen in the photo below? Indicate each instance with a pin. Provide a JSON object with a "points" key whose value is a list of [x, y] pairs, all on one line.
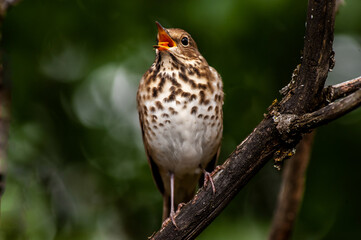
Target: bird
{"points": [[179, 101]]}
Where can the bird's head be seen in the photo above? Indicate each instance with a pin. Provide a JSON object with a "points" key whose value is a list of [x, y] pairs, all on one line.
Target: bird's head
{"points": [[177, 42]]}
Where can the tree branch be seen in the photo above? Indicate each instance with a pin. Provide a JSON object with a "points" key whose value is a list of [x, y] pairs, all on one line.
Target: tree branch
{"points": [[340, 90], [328, 113], [305, 90], [292, 189]]}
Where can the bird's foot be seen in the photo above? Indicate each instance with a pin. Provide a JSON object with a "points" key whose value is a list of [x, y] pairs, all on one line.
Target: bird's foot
{"points": [[172, 214], [218, 168], [165, 222], [170, 219], [180, 206], [208, 178]]}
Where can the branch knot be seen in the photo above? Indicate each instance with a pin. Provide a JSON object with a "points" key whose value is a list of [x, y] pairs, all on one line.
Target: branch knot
{"points": [[284, 123]]}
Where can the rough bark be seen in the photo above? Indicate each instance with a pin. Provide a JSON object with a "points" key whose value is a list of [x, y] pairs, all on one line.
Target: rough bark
{"points": [[301, 110], [291, 193], [306, 88], [290, 196], [332, 93]]}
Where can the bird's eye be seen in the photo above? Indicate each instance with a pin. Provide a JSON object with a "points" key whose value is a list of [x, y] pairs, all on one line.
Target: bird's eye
{"points": [[184, 41]]}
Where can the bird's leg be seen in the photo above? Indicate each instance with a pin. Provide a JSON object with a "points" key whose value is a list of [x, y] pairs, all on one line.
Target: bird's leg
{"points": [[172, 213], [208, 177]]}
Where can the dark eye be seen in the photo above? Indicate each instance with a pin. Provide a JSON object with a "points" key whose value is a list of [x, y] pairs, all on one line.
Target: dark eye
{"points": [[184, 41]]}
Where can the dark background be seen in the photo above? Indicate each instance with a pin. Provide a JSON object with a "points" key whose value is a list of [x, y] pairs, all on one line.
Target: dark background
{"points": [[76, 167]]}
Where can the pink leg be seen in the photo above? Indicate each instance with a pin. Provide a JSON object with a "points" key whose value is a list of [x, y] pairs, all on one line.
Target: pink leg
{"points": [[172, 213], [208, 177]]}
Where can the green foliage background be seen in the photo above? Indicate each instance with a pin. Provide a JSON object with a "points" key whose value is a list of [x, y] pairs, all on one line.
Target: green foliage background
{"points": [[76, 167]]}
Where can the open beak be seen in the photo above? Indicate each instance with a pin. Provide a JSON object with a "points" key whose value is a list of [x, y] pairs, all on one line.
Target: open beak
{"points": [[164, 40]]}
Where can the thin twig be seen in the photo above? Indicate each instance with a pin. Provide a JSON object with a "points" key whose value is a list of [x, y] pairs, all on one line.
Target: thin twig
{"points": [[340, 90], [289, 124], [330, 112]]}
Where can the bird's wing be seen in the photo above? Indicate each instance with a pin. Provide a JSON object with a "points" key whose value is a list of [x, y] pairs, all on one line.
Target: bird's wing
{"points": [[155, 170]]}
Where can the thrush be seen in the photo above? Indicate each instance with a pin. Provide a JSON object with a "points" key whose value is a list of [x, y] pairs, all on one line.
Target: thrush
{"points": [[180, 101]]}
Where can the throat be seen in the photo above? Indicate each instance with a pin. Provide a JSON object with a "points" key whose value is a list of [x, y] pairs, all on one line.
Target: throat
{"points": [[169, 62]]}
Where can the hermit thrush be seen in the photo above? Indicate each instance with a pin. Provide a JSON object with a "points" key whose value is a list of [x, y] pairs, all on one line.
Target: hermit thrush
{"points": [[180, 101]]}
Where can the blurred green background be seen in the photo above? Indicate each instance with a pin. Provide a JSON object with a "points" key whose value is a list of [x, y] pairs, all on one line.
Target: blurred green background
{"points": [[76, 167]]}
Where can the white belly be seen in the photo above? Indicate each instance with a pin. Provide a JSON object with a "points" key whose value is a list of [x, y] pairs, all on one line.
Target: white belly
{"points": [[183, 141]]}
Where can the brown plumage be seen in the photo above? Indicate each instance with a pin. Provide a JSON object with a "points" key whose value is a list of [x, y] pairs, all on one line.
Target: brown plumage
{"points": [[180, 102]]}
